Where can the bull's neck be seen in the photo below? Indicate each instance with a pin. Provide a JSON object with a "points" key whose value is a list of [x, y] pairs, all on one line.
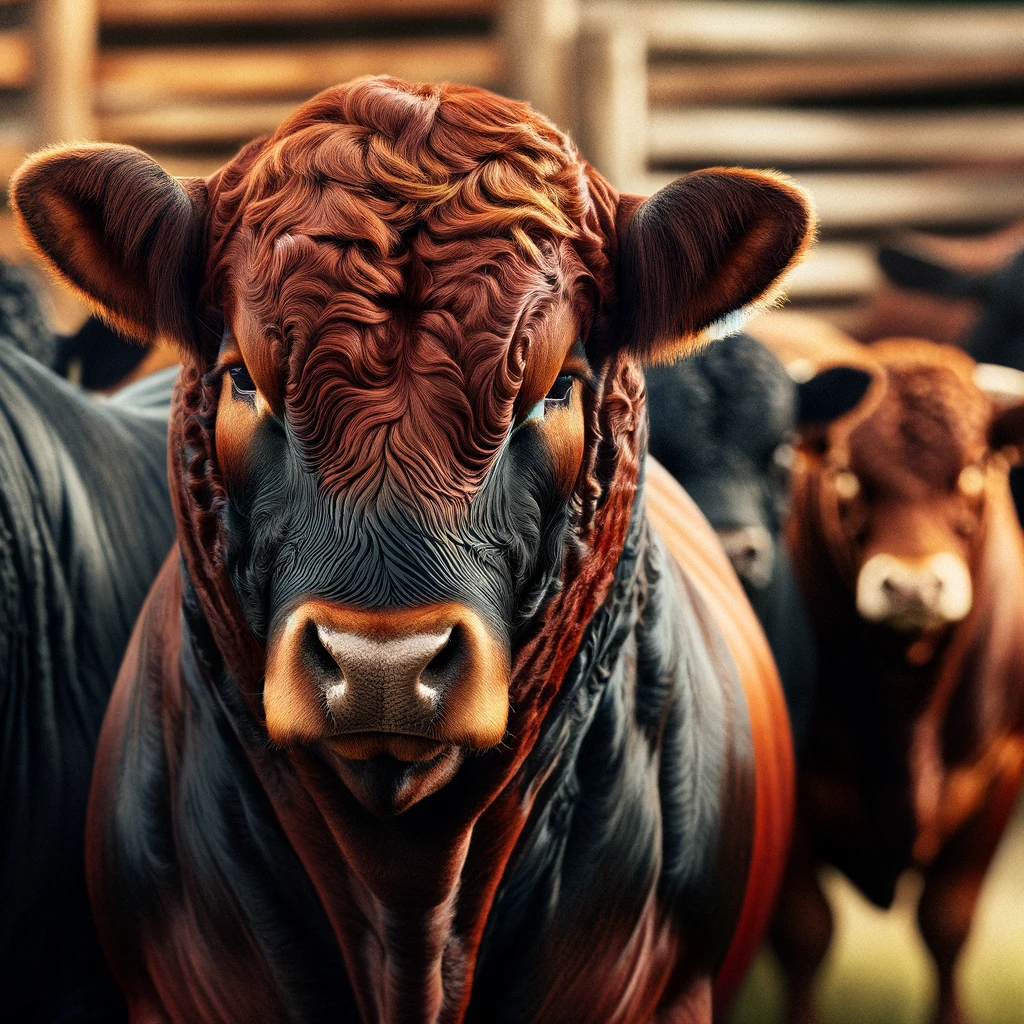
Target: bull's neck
{"points": [[409, 897]]}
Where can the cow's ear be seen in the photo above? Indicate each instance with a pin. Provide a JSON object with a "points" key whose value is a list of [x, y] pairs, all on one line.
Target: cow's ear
{"points": [[120, 231], [830, 394], [696, 256], [1007, 428]]}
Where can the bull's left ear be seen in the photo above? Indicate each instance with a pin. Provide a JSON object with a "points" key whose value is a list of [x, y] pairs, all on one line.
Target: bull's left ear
{"points": [[120, 231], [703, 252]]}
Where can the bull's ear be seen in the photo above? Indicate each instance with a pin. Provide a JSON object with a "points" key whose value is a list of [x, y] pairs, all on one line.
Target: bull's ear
{"points": [[830, 394], [702, 252], [120, 231]]}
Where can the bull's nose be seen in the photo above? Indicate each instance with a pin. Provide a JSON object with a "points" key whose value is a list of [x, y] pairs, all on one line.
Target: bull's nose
{"points": [[751, 552], [403, 682], [910, 594], [409, 673]]}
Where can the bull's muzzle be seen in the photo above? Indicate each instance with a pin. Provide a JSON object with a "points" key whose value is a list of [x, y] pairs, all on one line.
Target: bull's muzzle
{"points": [[911, 594], [407, 683]]}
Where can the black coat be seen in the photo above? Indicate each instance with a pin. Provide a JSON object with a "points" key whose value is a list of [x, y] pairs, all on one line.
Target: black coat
{"points": [[85, 523]]}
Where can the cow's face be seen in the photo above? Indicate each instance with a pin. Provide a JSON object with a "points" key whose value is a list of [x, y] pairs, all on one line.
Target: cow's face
{"points": [[907, 488], [401, 487], [724, 422], [401, 310]]}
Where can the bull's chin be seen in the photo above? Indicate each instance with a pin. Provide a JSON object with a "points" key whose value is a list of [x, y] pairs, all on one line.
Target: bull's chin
{"points": [[389, 772]]}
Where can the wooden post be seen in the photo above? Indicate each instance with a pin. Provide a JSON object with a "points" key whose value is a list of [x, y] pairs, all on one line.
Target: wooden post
{"points": [[539, 37], [66, 33], [612, 69]]}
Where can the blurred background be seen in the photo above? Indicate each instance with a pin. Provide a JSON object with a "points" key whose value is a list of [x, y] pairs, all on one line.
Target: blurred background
{"points": [[895, 117]]}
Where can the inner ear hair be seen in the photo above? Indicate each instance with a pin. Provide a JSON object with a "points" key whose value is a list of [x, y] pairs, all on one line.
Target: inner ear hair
{"points": [[711, 243], [120, 231]]}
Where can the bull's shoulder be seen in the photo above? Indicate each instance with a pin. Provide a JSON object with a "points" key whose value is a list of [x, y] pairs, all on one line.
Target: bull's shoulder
{"points": [[202, 905], [703, 565]]}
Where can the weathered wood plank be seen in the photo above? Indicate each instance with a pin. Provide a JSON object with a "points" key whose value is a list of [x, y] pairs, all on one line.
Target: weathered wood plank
{"points": [[138, 77], [864, 200], [66, 34], [17, 59], [776, 136], [835, 270], [162, 12], [704, 81], [12, 153], [183, 124], [791, 28]]}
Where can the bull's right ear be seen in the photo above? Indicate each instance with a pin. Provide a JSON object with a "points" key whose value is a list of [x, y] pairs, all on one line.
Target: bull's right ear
{"points": [[120, 231]]}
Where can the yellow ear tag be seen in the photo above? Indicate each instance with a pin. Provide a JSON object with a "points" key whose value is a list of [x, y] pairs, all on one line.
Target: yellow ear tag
{"points": [[847, 485], [971, 481]]}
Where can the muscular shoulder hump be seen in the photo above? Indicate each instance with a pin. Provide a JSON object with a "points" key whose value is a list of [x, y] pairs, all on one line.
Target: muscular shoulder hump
{"points": [[693, 544]]}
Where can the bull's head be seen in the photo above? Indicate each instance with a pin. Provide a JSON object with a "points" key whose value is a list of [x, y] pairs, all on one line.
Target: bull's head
{"points": [[407, 318]]}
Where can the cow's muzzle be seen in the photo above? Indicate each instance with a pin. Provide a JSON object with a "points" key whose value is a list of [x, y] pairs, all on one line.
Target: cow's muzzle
{"points": [[752, 553], [406, 683], [912, 594]]}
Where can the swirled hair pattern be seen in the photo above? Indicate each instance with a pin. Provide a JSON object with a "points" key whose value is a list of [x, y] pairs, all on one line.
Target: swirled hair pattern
{"points": [[397, 248]]}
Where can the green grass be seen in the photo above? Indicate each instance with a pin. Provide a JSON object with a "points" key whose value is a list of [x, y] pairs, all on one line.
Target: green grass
{"points": [[878, 970]]}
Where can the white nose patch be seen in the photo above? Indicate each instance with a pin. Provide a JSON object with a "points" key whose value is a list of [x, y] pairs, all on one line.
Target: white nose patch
{"points": [[910, 594]]}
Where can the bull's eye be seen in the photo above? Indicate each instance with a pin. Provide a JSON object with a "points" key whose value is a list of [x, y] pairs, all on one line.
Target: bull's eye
{"points": [[560, 393], [242, 385], [558, 397]]}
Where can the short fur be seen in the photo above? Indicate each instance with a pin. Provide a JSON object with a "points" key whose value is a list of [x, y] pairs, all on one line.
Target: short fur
{"points": [[400, 269]]}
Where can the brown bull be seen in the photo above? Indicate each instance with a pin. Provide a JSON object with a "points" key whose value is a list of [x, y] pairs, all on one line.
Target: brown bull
{"points": [[907, 547], [424, 723]]}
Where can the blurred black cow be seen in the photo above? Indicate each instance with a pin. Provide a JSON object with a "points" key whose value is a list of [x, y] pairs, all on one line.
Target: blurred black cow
{"points": [[96, 357], [723, 423], [85, 523], [997, 335]]}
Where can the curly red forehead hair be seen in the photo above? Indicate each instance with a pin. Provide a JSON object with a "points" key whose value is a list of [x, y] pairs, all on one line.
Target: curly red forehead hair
{"points": [[395, 262]]}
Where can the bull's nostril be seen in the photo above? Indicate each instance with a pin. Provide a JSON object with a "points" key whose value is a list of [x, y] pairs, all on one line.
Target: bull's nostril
{"points": [[445, 664], [318, 654]]}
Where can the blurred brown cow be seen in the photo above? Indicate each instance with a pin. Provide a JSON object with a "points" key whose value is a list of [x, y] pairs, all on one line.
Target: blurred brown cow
{"points": [[911, 558]]}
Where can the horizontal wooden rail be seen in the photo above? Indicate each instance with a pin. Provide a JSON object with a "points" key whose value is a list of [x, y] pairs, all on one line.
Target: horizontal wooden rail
{"points": [[791, 28], [873, 199], [835, 270], [17, 59], [197, 124], [134, 78], [12, 153], [163, 12], [777, 136], [702, 80]]}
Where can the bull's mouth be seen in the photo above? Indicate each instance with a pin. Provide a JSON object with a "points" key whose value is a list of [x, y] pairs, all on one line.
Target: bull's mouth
{"points": [[364, 746], [389, 772]]}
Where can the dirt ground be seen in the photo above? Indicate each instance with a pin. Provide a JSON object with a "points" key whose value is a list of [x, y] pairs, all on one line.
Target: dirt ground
{"points": [[878, 970]]}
